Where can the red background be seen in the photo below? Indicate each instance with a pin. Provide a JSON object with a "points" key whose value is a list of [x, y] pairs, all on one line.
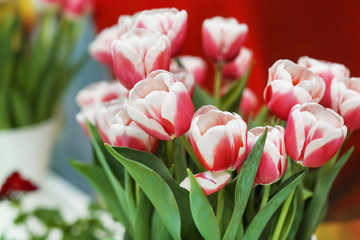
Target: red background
{"points": [[328, 30]]}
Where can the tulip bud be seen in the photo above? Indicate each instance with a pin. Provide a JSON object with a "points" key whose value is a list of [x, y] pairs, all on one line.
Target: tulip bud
{"points": [[169, 21], [100, 48], [345, 95], [313, 134], [195, 65], [218, 138], [239, 66], [209, 182], [274, 158], [100, 92], [222, 38], [161, 105], [327, 71], [139, 52], [290, 84], [249, 103]]}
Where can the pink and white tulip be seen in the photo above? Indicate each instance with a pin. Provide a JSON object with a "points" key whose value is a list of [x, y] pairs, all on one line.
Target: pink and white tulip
{"points": [[100, 92], [218, 138], [74, 9], [187, 78], [273, 162], [100, 47], [222, 38], [249, 103], [195, 65], [169, 21], [345, 95], [327, 71], [86, 114], [313, 134], [139, 52], [290, 84], [117, 128], [239, 66], [209, 182], [161, 105]]}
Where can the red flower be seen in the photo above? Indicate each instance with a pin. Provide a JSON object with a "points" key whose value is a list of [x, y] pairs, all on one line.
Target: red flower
{"points": [[15, 184]]}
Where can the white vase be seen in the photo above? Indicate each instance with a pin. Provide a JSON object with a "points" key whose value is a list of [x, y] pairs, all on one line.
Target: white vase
{"points": [[28, 150]]}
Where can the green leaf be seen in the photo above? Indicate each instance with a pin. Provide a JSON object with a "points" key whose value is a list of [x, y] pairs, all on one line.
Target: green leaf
{"points": [[230, 101], [143, 218], [156, 189], [158, 229], [154, 163], [21, 108], [260, 220], [50, 217], [299, 212], [290, 217], [202, 211], [244, 184], [316, 205], [98, 179], [21, 218], [201, 98]]}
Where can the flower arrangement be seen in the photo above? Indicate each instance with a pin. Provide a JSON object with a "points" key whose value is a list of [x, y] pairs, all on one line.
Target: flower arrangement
{"points": [[172, 161], [37, 60]]}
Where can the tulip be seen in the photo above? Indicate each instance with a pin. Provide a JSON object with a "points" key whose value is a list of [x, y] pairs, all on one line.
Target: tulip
{"points": [[239, 66], [274, 158], [161, 105], [74, 9], [117, 128], [195, 65], [222, 38], [187, 78], [290, 84], [209, 182], [105, 117], [327, 71], [345, 95], [86, 114], [313, 134], [249, 102], [218, 138], [169, 21], [139, 52], [100, 92], [100, 48]]}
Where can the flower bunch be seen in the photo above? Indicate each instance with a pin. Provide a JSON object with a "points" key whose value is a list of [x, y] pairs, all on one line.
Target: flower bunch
{"points": [[37, 60], [250, 168]]}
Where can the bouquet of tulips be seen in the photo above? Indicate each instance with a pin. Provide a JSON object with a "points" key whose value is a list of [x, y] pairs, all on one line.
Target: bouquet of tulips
{"points": [[172, 161], [36, 57]]}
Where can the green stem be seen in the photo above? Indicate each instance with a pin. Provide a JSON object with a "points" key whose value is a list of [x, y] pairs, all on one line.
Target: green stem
{"points": [[169, 153], [281, 220], [191, 152], [265, 197], [220, 206], [217, 84]]}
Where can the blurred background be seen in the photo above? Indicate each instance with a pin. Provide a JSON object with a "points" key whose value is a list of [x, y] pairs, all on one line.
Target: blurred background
{"points": [[325, 30]]}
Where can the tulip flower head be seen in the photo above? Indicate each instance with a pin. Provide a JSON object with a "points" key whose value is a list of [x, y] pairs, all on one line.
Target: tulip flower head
{"points": [[222, 38], [139, 52], [239, 66], [195, 65], [75, 9], [209, 182], [218, 138], [100, 48], [273, 162], [161, 105], [345, 95], [313, 134], [187, 78], [168, 21], [249, 103], [327, 71], [290, 84]]}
